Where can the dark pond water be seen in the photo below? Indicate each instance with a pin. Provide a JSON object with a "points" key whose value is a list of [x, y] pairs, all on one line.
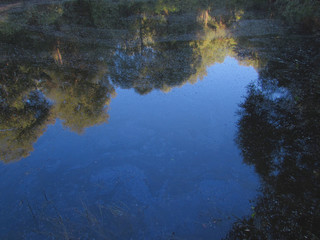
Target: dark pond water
{"points": [[156, 120]]}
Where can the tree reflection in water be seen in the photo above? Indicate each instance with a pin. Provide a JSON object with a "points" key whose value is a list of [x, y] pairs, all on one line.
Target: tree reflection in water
{"points": [[73, 55], [279, 134], [66, 60]]}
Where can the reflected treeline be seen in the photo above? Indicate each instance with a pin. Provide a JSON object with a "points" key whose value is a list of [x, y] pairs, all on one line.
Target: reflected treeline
{"points": [[64, 59], [33, 97], [279, 135], [25, 111]]}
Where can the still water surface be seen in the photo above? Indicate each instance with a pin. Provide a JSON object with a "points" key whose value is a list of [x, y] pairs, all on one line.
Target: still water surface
{"points": [[146, 120], [164, 163]]}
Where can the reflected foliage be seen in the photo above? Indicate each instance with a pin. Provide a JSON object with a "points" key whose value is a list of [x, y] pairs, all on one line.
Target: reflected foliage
{"points": [[24, 111], [279, 135], [81, 97], [65, 59]]}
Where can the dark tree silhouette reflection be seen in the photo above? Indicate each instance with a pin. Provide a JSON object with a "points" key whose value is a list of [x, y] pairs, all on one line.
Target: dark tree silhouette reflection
{"points": [[279, 134], [64, 60]]}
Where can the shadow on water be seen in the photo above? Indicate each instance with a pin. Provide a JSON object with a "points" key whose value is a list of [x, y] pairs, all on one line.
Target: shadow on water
{"points": [[65, 63]]}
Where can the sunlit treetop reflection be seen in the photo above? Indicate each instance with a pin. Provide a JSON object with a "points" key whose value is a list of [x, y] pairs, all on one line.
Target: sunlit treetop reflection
{"points": [[25, 111], [70, 56]]}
